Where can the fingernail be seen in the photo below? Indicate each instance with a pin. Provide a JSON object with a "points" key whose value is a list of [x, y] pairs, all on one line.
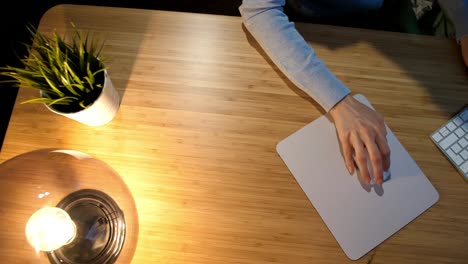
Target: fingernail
{"points": [[350, 170]]}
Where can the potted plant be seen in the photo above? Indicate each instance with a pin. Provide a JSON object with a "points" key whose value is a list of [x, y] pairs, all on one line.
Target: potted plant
{"points": [[70, 76]]}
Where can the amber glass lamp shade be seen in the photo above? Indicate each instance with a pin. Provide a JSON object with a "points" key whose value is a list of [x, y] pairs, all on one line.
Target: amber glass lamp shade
{"points": [[64, 206]]}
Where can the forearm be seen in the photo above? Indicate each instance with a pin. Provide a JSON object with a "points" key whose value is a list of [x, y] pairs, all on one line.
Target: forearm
{"points": [[270, 26]]}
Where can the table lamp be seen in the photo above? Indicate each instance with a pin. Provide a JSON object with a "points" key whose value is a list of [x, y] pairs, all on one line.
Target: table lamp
{"points": [[64, 206]]}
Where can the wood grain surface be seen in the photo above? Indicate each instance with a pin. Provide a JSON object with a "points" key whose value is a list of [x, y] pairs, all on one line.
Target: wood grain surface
{"points": [[202, 111]]}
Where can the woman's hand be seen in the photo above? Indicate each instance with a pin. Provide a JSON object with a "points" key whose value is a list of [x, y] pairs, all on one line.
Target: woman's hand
{"points": [[362, 134]]}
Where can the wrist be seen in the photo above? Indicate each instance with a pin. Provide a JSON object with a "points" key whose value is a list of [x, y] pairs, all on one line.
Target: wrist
{"points": [[342, 104]]}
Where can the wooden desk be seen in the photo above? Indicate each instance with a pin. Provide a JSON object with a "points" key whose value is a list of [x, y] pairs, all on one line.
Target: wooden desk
{"points": [[202, 112]]}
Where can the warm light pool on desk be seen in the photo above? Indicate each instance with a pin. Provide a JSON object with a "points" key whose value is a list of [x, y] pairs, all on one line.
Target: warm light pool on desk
{"points": [[50, 228]]}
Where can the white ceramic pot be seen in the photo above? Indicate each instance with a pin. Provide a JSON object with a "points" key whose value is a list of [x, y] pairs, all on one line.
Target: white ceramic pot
{"points": [[102, 111]]}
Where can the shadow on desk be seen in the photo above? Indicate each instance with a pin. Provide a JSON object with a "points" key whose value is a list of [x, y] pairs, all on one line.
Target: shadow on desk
{"points": [[424, 69], [13, 50], [123, 58], [425, 63], [15, 16], [427, 67]]}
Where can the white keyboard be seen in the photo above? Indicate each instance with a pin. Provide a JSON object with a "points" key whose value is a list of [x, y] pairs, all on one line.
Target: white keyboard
{"points": [[452, 140]]}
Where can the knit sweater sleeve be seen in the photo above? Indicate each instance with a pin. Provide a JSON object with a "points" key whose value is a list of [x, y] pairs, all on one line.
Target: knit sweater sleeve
{"points": [[279, 38]]}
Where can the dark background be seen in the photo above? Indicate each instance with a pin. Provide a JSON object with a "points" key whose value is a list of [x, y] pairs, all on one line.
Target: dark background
{"points": [[15, 15]]}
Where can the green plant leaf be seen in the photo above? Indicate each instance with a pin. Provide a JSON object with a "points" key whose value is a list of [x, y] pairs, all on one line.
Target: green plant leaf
{"points": [[39, 100], [51, 83], [64, 68], [49, 101], [63, 100], [75, 77]]}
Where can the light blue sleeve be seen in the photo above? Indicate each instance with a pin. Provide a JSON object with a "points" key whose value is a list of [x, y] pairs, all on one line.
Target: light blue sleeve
{"points": [[457, 10], [279, 38]]}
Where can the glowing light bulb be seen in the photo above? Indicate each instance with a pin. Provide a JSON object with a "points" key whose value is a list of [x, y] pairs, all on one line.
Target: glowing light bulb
{"points": [[50, 228]]}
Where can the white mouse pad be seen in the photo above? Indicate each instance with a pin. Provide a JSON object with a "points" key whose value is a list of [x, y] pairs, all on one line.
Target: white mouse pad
{"points": [[359, 216]]}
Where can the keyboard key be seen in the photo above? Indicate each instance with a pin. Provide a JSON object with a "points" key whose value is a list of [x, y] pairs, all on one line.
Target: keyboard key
{"points": [[460, 132], [457, 121], [448, 141], [465, 126], [464, 115], [457, 159], [444, 131], [464, 154], [452, 139], [463, 142], [451, 126], [437, 136], [456, 148], [464, 167]]}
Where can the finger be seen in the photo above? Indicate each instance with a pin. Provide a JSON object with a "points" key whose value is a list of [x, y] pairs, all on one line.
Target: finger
{"points": [[383, 129], [348, 155], [384, 148], [379, 125], [375, 160], [361, 158]]}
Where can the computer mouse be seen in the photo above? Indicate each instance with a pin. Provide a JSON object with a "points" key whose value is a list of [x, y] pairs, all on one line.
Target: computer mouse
{"points": [[386, 177], [386, 174]]}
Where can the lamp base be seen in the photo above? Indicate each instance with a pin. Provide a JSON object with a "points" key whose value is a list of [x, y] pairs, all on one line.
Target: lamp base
{"points": [[100, 226]]}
